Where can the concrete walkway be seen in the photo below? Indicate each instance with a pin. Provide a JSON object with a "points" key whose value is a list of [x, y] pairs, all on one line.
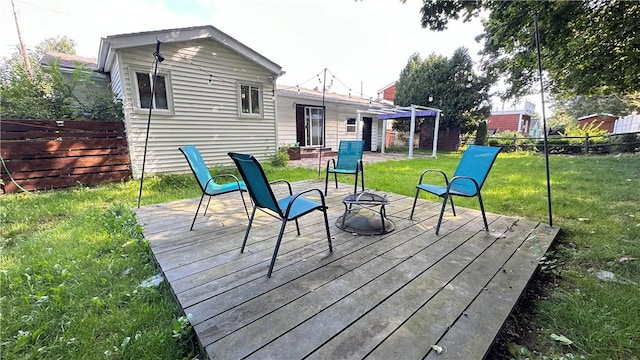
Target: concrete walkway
{"points": [[367, 158]]}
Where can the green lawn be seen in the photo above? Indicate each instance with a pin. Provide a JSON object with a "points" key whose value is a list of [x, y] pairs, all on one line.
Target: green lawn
{"points": [[73, 261]]}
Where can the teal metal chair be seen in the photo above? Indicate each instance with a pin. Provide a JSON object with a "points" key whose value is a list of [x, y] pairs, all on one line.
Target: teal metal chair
{"points": [[207, 183], [349, 162], [285, 209], [470, 174]]}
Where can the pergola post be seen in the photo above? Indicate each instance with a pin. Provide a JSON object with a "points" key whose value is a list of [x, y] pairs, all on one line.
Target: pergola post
{"points": [[412, 130], [435, 135], [384, 136]]}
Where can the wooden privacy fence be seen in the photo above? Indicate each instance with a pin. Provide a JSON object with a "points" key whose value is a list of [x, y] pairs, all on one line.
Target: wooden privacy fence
{"points": [[49, 154]]}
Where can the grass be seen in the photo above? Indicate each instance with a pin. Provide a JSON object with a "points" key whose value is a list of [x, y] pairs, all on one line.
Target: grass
{"points": [[73, 261]]}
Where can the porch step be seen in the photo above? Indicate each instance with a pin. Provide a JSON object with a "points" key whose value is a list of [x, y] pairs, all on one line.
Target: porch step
{"points": [[312, 152]]}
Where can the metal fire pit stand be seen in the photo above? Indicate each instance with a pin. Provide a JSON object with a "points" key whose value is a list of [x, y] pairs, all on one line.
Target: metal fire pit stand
{"points": [[368, 217]]}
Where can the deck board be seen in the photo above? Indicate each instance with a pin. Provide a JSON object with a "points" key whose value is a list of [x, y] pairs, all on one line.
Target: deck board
{"points": [[383, 296]]}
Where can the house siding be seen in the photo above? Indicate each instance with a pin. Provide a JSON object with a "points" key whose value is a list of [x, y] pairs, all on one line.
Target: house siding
{"points": [[204, 115]]}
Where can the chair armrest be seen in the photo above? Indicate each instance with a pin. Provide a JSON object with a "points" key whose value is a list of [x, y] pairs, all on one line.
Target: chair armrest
{"points": [[282, 181], [456, 178], [446, 180], [235, 178], [299, 194], [332, 160]]}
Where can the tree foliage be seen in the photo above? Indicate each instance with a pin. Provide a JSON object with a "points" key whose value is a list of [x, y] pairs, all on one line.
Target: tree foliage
{"points": [[581, 105], [587, 47], [449, 84], [60, 44], [51, 95]]}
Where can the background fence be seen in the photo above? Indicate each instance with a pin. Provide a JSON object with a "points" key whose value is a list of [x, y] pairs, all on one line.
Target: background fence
{"points": [[47, 154], [599, 144]]}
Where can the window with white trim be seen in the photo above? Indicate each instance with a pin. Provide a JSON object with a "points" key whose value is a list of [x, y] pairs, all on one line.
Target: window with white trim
{"points": [[161, 97], [351, 125], [250, 100]]}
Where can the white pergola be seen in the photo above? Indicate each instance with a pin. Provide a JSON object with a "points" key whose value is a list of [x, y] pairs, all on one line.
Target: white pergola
{"points": [[405, 112]]}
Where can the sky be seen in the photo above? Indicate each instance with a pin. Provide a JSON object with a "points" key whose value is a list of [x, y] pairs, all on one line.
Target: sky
{"points": [[363, 45]]}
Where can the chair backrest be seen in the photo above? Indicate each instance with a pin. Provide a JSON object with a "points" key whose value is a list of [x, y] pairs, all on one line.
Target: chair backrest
{"points": [[256, 181], [349, 152], [475, 163], [197, 164]]}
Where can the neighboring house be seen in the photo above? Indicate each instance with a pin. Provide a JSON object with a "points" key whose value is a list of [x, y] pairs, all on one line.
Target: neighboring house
{"points": [[300, 119], [70, 63], [211, 91], [603, 121], [512, 120], [387, 94]]}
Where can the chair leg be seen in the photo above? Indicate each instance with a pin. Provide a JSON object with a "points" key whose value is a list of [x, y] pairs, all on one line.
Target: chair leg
{"points": [[207, 207], [484, 217], [326, 181], [444, 205], [246, 210], [415, 200], [335, 178], [355, 185], [362, 178], [275, 251], [246, 234], [326, 224], [297, 227], [452, 207], [197, 210]]}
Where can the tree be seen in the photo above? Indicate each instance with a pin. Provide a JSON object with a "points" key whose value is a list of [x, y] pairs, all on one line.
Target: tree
{"points": [[580, 106], [49, 94], [448, 84], [587, 47], [58, 44]]}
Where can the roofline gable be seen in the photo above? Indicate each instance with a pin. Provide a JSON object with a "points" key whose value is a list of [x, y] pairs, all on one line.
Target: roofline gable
{"points": [[110, 44]]}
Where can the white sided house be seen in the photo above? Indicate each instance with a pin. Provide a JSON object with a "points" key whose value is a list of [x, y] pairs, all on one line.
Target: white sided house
{"points": [[211, 91], [300, 119]]}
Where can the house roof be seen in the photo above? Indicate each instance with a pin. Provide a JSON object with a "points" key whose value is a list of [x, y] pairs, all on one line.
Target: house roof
{"points": [[314, 94], [68, 61], [597, 115], [112, 43], [387, 86]]}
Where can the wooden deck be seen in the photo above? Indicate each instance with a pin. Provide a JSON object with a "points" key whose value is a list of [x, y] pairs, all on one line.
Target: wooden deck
{"points": [[388, 296]]}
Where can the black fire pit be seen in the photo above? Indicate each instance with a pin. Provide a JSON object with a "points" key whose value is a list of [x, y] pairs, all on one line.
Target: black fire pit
{"points": [[364, 214]]}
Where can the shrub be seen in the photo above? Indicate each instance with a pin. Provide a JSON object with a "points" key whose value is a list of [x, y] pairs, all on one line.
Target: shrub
{"points": [[481, 134], [280, 158], [49, 96]]}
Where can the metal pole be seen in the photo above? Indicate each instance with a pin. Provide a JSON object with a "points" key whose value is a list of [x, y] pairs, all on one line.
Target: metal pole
{"points": [[324, 81], [157, 58], [544, 119]]}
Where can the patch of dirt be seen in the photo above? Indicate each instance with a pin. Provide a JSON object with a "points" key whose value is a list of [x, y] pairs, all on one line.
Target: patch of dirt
{"points": [[520, 327]]}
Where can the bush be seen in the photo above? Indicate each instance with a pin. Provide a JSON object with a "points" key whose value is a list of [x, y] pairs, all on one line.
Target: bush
{"points": [[280, 158], [48, 96], [481, 134]]}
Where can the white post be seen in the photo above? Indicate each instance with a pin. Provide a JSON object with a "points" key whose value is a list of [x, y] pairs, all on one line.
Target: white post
{"points": [[435, 134], [358, 119], [384, 136], [412, 130]]}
